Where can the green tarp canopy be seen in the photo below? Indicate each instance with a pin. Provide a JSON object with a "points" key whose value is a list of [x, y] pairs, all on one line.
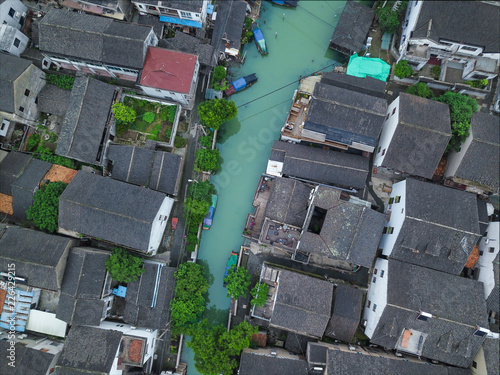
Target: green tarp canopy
{"points": [[368, 66]]}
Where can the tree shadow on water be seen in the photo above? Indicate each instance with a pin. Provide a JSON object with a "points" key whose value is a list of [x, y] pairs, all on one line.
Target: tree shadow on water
{"points": [[228, 129]]}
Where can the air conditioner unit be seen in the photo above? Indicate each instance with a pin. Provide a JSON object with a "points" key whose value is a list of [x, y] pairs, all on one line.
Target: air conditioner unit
{"points": [[24, 14], [273, 353], [17, 15], [487, 241]]}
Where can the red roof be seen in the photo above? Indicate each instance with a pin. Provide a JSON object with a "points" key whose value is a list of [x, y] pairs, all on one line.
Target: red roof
{"points": [[168, 70]]}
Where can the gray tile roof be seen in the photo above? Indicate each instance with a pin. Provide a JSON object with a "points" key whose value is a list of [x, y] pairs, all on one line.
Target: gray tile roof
{"points": [[84, 278], [54, 100], [456, 303], [154, 21], [303, 304], [252, 363], [189, 5], [229, 23], [346, 311], [28, 361], [147, 303], [490, 347], [11, 168], [189, 44], [88, 350], [350, 232], [325, 166], [39, 257], [421, 137], [352, 28], [85, 121], [156, 170], [482, 158], [482, 211], [93, 38], [296, 343], [492, 301], [452, 23], [316, 353], [288, 201], [24, 187], [367, 85], [441, 223], [112, 210], [11, 68]]}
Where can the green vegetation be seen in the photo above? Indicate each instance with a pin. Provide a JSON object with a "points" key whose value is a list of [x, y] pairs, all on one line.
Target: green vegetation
{"points": [[259, 294], [123, 266], [44, 212], [207, 160], [238, 281], [149, 117], [47, 154], [420, 89], [436, 72], [196, 210], [59, 80], [206, 141], [219, 73], [478, 83], [213, 113], [247, 34], [179, 142], [124, 113], [402, 69], [388, 19], [33, 142]]}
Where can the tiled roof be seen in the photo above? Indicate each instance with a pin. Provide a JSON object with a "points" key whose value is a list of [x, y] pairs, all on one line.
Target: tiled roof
{"points": [[253, 363]]}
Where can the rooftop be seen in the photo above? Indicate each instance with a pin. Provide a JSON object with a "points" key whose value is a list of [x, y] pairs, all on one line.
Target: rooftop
{"points": [[11, 168], [367, 85], [11, 67], [189, 44], [53, 100], [189, 5], [28, 361], [262, 362]]}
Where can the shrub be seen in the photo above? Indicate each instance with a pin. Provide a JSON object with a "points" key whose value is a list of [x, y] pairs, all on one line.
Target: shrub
{"points": [[168, 133], [33, 142], [44, 212], [47, 154], [259, 294], [478, 83], [219, 73], [207, 159], [388, 19], [238, 280], [149, 117], [213, 113], [202, 191], [206, 141], [179, 141], [123, 266], [62, 81], [124, 113], [402, 69], [420, 89], [436, 72]]}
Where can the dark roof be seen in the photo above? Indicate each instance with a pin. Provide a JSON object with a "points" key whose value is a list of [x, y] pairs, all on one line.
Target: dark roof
{"points": [[93, 38], [482, 157], [154, 22], [367, 85], [490, 348], [452, 23], [288, 201], [346, 311], [112, 210], [28, 361], [443, 234], [88, 349], [37, 255], [189, 44], [316, 353], [85, 121], [326, 166], [421, 137], [450, 332], [357, 117], [303, 304], [350, 232], [189, 5], [156, 170], [352, 28], [482, 210], [229, 23], [84, 278], [492, 302], [147, 302], [11, 168], [24, 187], [296, 343], [11, 67], [54, 100], [253, 362]]}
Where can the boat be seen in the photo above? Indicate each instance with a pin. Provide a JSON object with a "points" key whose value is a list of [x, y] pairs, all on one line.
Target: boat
{"points": [[207, 222], [233, 260], [258, 37], [286, 3], [241, 84]]}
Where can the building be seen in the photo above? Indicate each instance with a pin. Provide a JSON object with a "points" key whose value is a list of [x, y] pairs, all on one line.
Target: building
{"points": [[54, 100], [170, 75], [352, 28], [430, 226], [228, 28], [116, 9], [486, 361], [475, 167], [156, 170], [191, 13], [422, 318], [12, 13], [443, 31], [20, 84], [34, 359], [12, 40], [12, 166], [114, 212], [86, 127], [414, 137], [271, 361], [95, 45]]}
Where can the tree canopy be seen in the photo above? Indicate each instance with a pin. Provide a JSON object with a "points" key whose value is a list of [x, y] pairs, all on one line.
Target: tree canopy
{"points": [[402, 69], [124, 113], [238, 281], [219, 73], [44, 212], [123, 266], [259, 294], [207, 159], [420, 89], [201, 191], [196, 210], [388, 19], [46, 154], [213, 113]]}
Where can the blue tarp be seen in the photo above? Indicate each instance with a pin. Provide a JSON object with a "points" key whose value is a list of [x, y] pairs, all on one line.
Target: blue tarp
{"points": [[279, 2], [239, 84], [178, 21], [257, 33], [210, 9]]}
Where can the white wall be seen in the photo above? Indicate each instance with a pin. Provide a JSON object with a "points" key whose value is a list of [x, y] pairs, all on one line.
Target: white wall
{"points": [[377, 295], [9, 37], [411, 18], [455, 158], [181, 13], [485, 261], [388, 130], [398, 215], [159, 225], [19, 11], [177, 97]]}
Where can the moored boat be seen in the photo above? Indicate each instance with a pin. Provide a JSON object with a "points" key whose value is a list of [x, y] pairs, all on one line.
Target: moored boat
{"points": [[233, 260], [286, 3], [259, 39], [207, 222], [241, 84]]}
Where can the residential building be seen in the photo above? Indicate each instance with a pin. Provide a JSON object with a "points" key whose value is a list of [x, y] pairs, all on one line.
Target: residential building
{"points": [[228, 28], [443, 31], [421, 319], [414, 137], [38, 358], [12, 167], [54, 100], [86, 128], [93, 44], [352, 28], [430, 226], [12, 13], [170, 75], [486, 360], [156, 170], [20, 84], [346, 313], [12, 40], [192, 13], [115, 212], [271, 361], [475, 167], [116, 9]]}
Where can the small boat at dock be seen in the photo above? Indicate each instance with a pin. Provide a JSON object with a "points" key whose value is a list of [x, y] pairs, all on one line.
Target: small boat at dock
{"points": [[259, 39], [207, 222], [286, 3], [241, 84], [233, 260]]}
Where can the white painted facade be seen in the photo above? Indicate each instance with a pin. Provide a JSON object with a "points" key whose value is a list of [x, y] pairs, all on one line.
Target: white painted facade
{"points": [[455, 158], [183, 14], [488, 250], [13, 13], [376, 299], [12, 40], [396, 215], [4, 127], [388, 130], [159, 225]]}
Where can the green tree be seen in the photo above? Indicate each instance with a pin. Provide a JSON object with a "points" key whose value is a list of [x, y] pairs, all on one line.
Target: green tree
{"points": [[124, 113], [123, 266], [44, 212], [402, 69], [219, 73], [33, 142], [196, 210], [259, 294], [213, 113], [238, 281], [60, 80], [201, 191], [149, 117], [420, 89], [47, 154], [388, 19], [207, 159]]}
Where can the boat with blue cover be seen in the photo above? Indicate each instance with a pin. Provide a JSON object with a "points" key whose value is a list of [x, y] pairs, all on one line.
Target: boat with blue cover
{"points": [[286, 3], [207, 222], [241, 84], [259, 39], [232, 261]]}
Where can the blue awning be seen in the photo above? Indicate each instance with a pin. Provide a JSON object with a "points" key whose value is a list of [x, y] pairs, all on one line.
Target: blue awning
{"points": [[178, 21], [210, 8]]}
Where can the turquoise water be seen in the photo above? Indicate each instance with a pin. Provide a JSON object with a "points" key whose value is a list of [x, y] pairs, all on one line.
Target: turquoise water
{"points": [[300, 48]]}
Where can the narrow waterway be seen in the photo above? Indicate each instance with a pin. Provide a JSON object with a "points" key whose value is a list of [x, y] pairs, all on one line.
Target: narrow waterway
{"points": [[299, 49]]}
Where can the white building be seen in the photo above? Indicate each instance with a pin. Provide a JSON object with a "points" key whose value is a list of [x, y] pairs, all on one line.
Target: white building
{"points": [[176, 12], [12, 40], [12, 13]]}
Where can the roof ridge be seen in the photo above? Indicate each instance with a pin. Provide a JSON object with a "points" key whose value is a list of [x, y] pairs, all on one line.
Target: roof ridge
{"points": [[350, 106], [423, 128], [328, 164], [441, 225]]}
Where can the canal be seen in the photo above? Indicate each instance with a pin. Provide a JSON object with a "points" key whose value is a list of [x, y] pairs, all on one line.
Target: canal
{"points": [[299, 49]]}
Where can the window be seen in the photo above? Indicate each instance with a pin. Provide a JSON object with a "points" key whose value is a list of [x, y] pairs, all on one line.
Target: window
{"points": [[379, 148], [157, 90], [491, 249], [16, 43], [385, 230], [402, 210], [383, 152], [466, 48], [26, 92], [21, 109], [186, 14], [393, 111], [391, 200], [12, 12], [3, 126], [485, 234], [481, 253], [387, 117], [21, 21], [397, 199], [390, 230], [382, 273], [474, 364], [374, 307], [369, 304], [374, 280], [375, 271]]}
